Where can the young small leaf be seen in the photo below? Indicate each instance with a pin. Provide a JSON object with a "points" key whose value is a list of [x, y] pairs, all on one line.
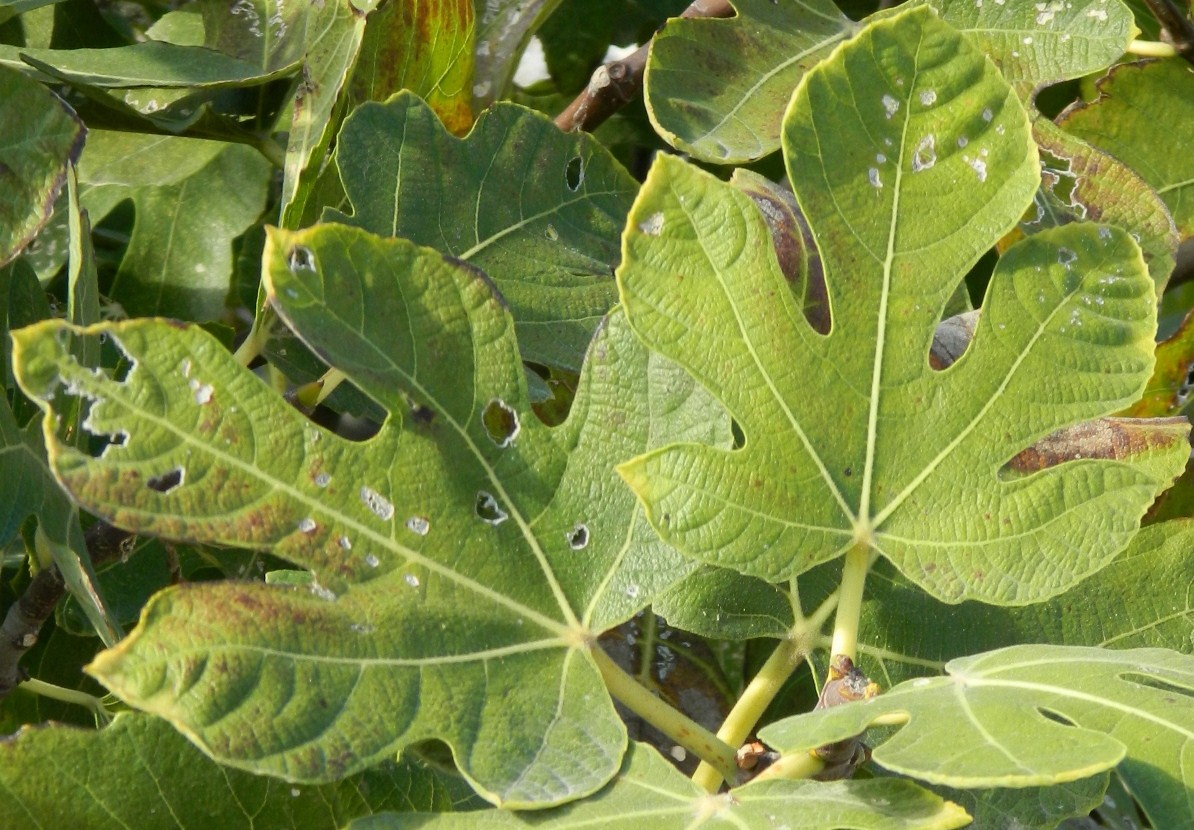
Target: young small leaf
{"points": [[852, 438]]}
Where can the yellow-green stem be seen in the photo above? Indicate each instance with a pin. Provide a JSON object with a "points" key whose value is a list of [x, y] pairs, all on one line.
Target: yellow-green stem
{"points": [[251, 349], [794, 766], [1152, 49], [72, 696], [671, 722], [755, 699], [311, 395], [849, 604]]}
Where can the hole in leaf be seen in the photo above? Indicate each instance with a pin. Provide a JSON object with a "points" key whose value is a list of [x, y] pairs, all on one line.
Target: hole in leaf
{"points": [[578, 537], [166, 481], [301, 259], [574, 173], [739, 435], [951, 339], [1143, 676], [501, 422], [1056, 717], [488, 510]]}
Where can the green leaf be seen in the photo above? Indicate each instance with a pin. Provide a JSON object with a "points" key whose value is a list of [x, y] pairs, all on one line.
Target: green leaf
{"points": [[438, 68], [1139, 108], [717, 88], [538, 210], [464, 558], [1037, 44], [903, 630], [1031, 716], [149, 64], [650, 792], [39, 137], [1030, 808], [192, 199], [504, 27], [1080, 182], [1167, 389], [851, 438], [140, 773]]}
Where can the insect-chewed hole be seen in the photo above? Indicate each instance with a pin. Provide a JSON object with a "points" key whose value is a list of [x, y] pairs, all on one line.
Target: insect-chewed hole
{"points": [[167, 481], [574, 173], [488, 510], [1056, 717], [301, 259], [578, 537], [738, 435], [501, 422]]}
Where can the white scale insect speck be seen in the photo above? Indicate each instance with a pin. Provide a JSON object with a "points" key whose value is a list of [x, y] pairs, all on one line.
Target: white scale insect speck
{"points": [[879, 157], [345, 543], [418, 525], [1098, 14], [890, 106], [963, 141], [412, 580], [323, 480], [371, 560], [979, 166], [928, 97], [988, 115], [378, 503], [203, 392], [185, 366], [872, 175], [307, 525]]}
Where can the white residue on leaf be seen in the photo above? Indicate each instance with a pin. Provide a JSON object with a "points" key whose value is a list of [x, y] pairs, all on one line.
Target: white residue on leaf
{"points": [[963, 141], [418, 525], [1098, 14], [988, 115], [1104, 232], [322, 592], [652, 225], [979, 166], [928, 97], [411, 580], [1028, 40], [925, 155], [872, 175], [481, 89], [378, 503], [999, 129], [890, 105], [632, 591], [203, 391], [306, 525], [185, 366]]}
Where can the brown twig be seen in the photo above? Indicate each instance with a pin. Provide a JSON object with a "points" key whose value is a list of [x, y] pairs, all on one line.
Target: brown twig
{"points": [[26, 616], [616, 83], [1177, 26]]}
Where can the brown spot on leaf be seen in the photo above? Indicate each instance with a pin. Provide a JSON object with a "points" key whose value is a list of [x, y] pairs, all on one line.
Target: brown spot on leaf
{"points": [[1104, 438]]}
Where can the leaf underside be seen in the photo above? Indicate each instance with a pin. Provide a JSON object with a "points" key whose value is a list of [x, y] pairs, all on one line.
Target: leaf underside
{"points": [[851, 438]]}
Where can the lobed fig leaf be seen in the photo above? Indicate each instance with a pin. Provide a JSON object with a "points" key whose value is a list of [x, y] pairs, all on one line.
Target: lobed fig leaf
{"points": [[464, 559], [851, 438]]}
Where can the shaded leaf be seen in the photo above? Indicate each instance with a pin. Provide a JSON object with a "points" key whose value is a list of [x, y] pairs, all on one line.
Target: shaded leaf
{"points": [[1030, 808], [1031, 716], [149, 64], [140, 773], [717, 88], [538, 210], [650, 792], [464, 558], [39, 137], [192, 198], [1169, 387], [1139, 106], [425, 47], [852, 438], [1080, 182]]}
